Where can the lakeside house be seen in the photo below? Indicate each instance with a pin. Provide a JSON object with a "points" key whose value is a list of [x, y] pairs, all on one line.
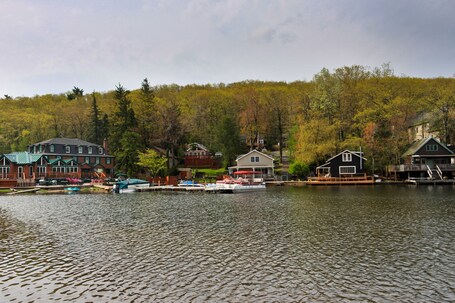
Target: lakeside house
{"points": [[198, 156], [254, 161], [421, 128], [345, 164], [57, 158], [426, 158], [345, 168]]}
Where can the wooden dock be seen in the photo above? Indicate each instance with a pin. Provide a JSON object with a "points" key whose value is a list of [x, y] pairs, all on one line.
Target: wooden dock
{"points": [[431, 182], [170, 188], [24, 191], [327, 181]]}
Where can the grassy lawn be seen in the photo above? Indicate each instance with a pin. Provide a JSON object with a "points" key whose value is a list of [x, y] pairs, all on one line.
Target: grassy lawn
{"points": [[211, 172]]}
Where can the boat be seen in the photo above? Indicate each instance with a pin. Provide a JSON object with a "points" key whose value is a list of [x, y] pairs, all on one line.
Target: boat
{"points": [[129, 185], [243, 181]]}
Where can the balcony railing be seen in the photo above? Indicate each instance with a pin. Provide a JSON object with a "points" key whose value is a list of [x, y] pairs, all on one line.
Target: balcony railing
{"points": [[421, 167]]}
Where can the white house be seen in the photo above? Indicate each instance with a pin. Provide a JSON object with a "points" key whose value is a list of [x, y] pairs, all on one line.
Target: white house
{"points": [[255, 161]]}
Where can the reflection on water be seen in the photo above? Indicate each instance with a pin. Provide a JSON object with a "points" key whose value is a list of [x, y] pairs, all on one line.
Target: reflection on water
{"points": [[356, 244]]}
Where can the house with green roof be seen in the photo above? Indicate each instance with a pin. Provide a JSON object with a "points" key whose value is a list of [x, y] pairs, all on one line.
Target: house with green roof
{"points": [[22, 165], [58, 158], [426, 158]]}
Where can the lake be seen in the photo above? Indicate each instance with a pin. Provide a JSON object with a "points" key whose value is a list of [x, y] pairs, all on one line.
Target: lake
{"points": [[327, 244]]}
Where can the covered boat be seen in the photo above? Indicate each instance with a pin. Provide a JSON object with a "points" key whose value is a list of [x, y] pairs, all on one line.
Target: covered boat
{"points": [[129, 185]]}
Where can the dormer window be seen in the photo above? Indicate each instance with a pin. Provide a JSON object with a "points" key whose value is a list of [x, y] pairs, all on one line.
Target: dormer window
{"points": [[80, 149], [100, 150], [347, 157], [90, 150], [52, 148], [67, 149]]}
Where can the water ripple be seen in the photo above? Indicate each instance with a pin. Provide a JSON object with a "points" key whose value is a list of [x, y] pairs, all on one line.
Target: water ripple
{"points": [[285, 245]]}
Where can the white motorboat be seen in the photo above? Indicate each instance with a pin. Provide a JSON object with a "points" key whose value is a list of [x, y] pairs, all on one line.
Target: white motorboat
{"points": [[245, 181]]}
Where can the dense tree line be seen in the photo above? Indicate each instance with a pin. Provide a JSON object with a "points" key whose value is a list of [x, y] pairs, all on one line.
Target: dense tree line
{"points": [[349, 108]]}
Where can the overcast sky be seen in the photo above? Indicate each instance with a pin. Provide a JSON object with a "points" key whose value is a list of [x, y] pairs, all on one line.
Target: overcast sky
{"points": [[49, 46]]}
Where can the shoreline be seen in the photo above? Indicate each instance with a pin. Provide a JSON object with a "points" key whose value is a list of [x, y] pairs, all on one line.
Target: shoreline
{"points": [[105, 189]]}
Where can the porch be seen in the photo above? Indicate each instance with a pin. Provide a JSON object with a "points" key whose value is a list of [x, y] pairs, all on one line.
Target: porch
{"points": [[420, 167]]}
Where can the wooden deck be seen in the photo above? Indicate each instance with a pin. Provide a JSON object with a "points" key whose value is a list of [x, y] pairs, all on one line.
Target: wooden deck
{"points": [[364, 180], [170, 188]]}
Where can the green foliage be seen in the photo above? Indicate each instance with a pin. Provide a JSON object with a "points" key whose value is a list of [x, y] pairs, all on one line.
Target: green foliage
{"points": [[98, 127], [228, 136], [152, 161], [299, 169], [348, 107], [212, 172], [127, 153]]}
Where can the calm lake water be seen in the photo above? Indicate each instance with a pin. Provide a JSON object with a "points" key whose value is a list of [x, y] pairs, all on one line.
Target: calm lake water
{"points": [[350, 244]]}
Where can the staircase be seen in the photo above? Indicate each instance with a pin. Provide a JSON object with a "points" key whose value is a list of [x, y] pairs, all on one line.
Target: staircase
{"points": [[433, 173]]}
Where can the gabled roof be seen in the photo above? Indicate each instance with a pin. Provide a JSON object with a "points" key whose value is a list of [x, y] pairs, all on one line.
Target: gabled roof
{"points": [[416, 146], [53, 161], [66, 141], [194, 146], [23, 157], [253, 151], [355, 153]]}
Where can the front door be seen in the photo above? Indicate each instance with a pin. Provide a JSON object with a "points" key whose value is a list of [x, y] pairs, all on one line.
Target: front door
{"points": [[20, 172]]}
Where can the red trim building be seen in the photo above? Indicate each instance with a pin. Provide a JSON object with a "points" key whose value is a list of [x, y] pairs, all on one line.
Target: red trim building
{"points": [[58, 158]]}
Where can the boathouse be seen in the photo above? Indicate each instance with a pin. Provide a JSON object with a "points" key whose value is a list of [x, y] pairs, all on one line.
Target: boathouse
{"points": [[345, 164], [427, 158]]}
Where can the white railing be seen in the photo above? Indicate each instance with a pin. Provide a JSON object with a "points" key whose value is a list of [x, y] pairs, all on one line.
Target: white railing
{"points": [[414, 167], [430, 173], [439, 171]]}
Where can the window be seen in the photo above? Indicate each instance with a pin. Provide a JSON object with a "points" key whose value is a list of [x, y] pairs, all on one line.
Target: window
{"points": [[41, 170], [431, 147], [100, 150], [67, 149], [90, 150], [52, 148], [347, 170], [97, 160], [80, 149], [254, 159], [108, 160], [347, 157], [87, 160], [40, 148], [4, 171]]}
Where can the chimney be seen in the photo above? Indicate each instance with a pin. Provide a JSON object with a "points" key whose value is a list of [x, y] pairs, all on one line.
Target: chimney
{"points": [[106, 151]]}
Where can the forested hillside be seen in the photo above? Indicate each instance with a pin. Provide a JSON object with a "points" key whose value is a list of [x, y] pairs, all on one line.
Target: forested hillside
{"points": [[348, 108]]}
